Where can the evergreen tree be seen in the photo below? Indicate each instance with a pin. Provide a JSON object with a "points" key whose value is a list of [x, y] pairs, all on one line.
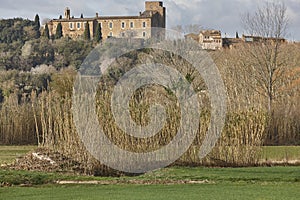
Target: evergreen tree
{"points": [[37, 26], [98, 36], [46, 33], [37, 21], [87, 34], [59, 32], [81, 16]]}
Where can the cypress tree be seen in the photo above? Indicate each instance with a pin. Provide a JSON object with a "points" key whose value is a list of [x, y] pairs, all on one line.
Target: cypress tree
{"points": [[37, 21], [98, 36], [46, 33], [59, 32], [87, 34], [37, 26]]}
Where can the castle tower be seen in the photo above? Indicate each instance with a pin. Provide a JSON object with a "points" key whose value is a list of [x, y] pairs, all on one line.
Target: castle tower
{"points": [[67, 13], [156, 6], [158, 11]]}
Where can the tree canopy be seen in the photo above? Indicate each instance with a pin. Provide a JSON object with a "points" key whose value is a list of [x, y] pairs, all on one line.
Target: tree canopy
{"points": [[17, 29]]}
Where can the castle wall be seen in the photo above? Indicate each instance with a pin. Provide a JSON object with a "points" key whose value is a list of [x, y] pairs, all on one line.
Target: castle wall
{"points": [[72, 28], [126, 27]]}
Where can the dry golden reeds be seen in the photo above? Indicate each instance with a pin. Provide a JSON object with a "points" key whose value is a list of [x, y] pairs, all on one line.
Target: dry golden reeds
{"points": [[48, 119]]}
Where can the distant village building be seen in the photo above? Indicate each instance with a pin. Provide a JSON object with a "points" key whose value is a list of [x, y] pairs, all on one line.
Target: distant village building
{"points": [[212, 40], [249, 39], [208, 39], [232, 42], [113, 26]]}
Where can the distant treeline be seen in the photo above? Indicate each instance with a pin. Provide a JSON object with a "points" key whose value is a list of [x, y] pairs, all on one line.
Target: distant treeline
{"points": [[28, 57], [24, 46], [18, 30]]}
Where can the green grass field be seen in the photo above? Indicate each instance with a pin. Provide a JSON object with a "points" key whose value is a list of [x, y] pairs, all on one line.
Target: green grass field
{"points": [[221, 183], [9, 153], [281, 153], [139, 192]]}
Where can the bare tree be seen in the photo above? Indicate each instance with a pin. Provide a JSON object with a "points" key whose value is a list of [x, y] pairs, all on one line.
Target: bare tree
{"points": [[264, 60], [268, 24]]}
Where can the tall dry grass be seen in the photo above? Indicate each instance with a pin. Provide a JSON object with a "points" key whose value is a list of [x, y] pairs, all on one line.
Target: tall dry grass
{"points": [[48, 120], [239, 145], [244, 92], [17, 126]]}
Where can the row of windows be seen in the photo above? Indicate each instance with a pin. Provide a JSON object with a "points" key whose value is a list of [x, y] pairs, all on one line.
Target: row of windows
{"points": [[110, 25], [123, 34], [215, 40], [78, 25], [123, 25]]}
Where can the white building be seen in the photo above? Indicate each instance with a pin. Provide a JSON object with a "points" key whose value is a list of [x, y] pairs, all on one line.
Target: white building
{"points": [[210, 39]]}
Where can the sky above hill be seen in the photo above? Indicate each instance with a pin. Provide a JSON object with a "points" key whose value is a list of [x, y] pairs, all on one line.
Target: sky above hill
{"points": [[224, 15]]}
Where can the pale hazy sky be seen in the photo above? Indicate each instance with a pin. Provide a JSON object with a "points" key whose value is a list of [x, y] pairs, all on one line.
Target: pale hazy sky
{"points": [[222, 15]]}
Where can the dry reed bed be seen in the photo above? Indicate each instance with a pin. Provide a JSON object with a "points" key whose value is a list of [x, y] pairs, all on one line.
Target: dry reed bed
{"points": [[48, 119]]}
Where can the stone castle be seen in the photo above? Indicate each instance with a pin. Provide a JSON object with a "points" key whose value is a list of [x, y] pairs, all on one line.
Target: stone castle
{"points": [[113, 26]]}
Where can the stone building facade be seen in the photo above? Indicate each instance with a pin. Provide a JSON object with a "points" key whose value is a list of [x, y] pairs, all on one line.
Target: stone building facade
{"points": [[208, 39], [114, 26]]}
